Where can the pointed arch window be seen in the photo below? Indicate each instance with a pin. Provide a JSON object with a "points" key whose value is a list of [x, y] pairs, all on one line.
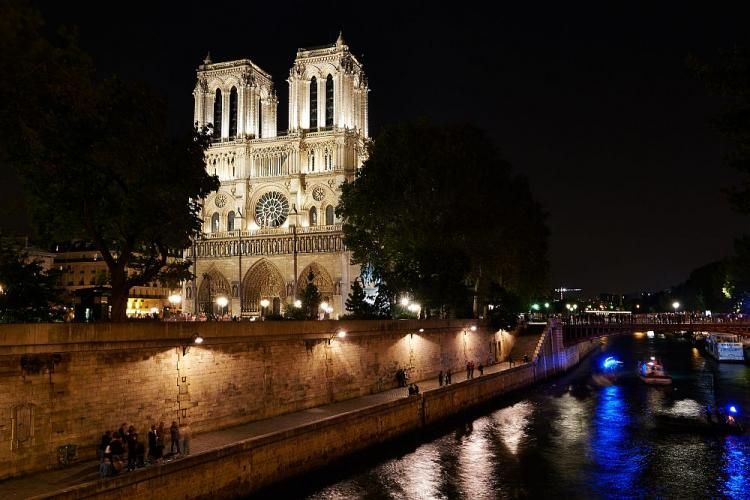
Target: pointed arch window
{"points": [[314, 103], [313, 216], [311, 160], [329, 101], [230, 221], [215, 222], [328, 160], [260, 118], [329, 215], [233, 113], [217, 114]]}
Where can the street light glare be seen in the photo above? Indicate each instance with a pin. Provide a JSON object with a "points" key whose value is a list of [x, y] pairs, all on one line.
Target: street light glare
{"points": [[222, 301], [404, 301], [342, 334], [297, 303], [264, 303], [324, 306], [676, 305], [198, 339], [473, 328]]}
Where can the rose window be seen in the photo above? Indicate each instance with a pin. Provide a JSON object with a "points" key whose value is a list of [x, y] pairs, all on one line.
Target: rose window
{"points": [[220, 200], [319, 193], [271, 210]]}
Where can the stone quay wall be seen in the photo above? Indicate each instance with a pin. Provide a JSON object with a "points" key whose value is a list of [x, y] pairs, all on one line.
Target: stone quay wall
{"points": [[244, 467], [64, 384]]}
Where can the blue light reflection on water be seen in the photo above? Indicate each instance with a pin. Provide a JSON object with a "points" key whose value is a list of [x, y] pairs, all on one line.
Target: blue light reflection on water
{"points": [[736, 466], [617, 462]]}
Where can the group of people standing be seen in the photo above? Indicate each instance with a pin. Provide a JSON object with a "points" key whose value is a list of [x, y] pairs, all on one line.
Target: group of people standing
{"points": [[117, 447]]}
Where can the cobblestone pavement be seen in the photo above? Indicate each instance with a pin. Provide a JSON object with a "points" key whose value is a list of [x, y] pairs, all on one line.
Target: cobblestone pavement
{"points": [[47, 482]]}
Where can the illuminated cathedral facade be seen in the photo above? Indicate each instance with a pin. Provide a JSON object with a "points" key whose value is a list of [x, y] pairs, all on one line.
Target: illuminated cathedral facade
{"points": [[272, 224]]}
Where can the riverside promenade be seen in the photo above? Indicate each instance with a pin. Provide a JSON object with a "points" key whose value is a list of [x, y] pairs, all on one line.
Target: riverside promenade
{"points": [[48, 483]]}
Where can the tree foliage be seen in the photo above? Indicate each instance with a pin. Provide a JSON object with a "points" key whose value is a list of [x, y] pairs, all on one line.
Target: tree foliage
{"points": [[438, 214], [28, 293], [97, 162]]}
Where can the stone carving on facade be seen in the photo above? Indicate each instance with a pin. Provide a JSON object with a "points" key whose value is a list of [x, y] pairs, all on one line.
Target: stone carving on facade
{"points": [[299, 70], [248, 79], [220, 200], [347, 64], [331, 183], [202, 85], [262, 281], [319, 194]]}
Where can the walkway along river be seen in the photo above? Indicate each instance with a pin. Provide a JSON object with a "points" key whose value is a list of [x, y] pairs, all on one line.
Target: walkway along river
{"points": [[568, 438]]}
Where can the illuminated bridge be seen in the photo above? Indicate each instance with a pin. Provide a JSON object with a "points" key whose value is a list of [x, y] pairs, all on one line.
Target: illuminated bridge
{"points": [[581, 328]]}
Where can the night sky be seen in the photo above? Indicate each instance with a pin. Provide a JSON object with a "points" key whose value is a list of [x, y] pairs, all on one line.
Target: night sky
{"points": [[597, 107]]}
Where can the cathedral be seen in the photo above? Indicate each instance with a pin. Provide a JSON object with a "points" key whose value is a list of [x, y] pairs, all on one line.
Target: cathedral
{"points": [[272, 226]]}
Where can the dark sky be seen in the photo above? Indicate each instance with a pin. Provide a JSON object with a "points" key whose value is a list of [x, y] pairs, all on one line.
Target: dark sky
{"points": [[596, 106]]}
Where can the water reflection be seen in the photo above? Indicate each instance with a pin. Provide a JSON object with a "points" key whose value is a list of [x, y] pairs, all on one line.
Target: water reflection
{"points": [[617, 461], [736, 466], [570, 438]]}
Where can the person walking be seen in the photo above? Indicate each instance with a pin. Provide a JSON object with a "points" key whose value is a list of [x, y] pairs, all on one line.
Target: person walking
{"points": [[185, 438], [510, 360], [481, 369], [174, 436], [132, 447], [468, 370], [153, 444], [440, 379], [448, 376], [106, 439]]}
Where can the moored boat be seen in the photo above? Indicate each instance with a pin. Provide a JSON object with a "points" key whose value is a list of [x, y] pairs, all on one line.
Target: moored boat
{"points": [[652, 372]]}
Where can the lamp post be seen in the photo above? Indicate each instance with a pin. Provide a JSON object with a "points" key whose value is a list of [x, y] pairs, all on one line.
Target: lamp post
{"points": [[195, 339], [340, 334], [222, 302], [174, 301], [263, 304], [210, 305]]}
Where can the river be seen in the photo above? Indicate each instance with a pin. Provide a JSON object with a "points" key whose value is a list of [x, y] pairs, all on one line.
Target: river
{"points": [[567, 438]]}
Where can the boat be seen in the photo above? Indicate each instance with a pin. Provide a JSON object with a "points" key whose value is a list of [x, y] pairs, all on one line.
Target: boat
{"points": [[652, 372], [725, 347], [607, 371]]}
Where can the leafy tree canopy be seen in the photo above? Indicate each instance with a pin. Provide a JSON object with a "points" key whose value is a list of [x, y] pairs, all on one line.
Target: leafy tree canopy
{"points": [[96, 159], [438, 214], [27, 292]]}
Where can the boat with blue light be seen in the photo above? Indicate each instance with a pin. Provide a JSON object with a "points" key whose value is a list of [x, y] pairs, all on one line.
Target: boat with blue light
{"points": [[652, 372]]}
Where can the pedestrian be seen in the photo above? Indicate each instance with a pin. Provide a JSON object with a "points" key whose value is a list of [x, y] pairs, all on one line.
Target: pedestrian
{"points": [[123, 431], [416, 390], [185, 438], [472, 369], [160, 439], [153, 444], [510, 360], [448, 376], [481, 369], [411, 390], [440, 379], [174, 435], [105, 468], [132, 447], [468, 370], [106, 439]]}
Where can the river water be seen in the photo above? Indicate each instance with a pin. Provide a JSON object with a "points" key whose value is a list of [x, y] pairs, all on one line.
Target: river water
{"points": [[572, 437]]}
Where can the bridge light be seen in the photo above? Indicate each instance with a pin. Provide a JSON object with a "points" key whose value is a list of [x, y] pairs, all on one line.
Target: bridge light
{"points": [[676, 305]]}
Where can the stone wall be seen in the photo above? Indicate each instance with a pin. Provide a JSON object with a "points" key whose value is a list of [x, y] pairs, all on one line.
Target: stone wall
{"points": [[65, 383], [243, 468]]}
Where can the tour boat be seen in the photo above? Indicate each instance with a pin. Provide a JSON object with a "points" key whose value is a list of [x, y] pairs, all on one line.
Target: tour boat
{"points": [[652, 372], [725, 347]]}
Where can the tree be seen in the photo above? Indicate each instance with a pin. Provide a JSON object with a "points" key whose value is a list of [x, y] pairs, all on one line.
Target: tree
{"points": [[28, 293], [357, 304], [439, 215], [96, 159], [310, 298]]}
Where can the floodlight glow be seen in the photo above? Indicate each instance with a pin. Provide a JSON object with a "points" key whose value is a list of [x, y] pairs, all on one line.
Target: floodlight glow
{"points": [[733, 409], [342, 334]]}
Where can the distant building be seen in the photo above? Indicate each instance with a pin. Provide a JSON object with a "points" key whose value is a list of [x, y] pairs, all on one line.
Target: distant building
{"points": [[82, 267]]}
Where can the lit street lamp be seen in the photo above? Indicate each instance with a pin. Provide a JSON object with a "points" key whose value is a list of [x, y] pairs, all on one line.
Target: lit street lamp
{"points": [[222, 302], [174, 301], [263, 304]]}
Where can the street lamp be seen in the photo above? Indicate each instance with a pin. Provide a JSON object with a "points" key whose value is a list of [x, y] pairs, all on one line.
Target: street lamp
{"points": [[340, 334], [195, 339], [675, 305], [298, 303], [263, 304], [222, 302], [404, 301], [174, 301]]}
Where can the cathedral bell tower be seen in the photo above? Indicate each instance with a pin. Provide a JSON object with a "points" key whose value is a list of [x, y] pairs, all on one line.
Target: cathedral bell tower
{"points": [[328, 90]]}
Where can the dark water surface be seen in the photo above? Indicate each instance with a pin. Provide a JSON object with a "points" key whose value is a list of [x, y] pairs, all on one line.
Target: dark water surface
{"points": [[572, 437]]}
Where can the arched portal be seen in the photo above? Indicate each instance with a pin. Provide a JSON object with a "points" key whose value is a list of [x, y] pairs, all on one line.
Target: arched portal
{"points": [[262, 281], [213, 285], [321, 279]]}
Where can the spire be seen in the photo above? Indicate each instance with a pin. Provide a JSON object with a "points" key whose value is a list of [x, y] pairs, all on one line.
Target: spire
{"points": [[340, 39], [207, 60]]}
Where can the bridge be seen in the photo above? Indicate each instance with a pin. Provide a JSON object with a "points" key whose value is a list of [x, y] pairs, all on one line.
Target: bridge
{"points": [[581, 328]]}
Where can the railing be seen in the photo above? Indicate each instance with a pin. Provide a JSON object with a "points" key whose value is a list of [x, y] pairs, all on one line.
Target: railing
{"points": [[270, 231]]}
